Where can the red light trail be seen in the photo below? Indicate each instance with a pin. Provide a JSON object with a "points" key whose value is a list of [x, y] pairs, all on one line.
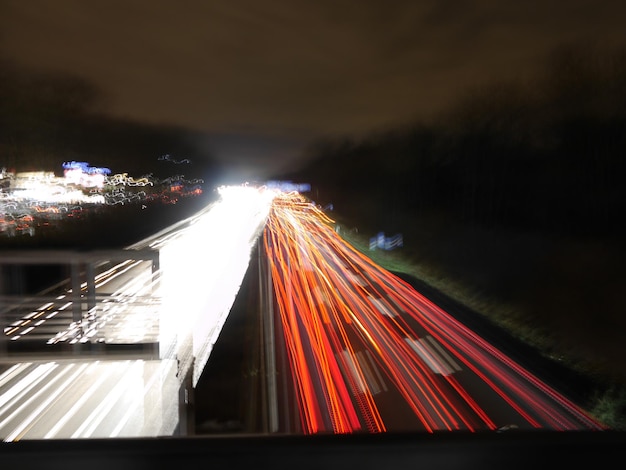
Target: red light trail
{"points": [[358, 338]]}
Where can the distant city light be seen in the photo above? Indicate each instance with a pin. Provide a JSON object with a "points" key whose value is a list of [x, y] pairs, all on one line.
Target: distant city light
{"points": [[29, 200]]}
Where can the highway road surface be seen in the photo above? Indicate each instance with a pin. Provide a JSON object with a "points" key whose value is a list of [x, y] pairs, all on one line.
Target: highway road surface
{"points": [[355, 348], [365, 352]]}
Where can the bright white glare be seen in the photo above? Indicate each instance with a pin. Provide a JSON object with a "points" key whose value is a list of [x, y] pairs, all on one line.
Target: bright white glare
{"points": [[201, 271], [79, 403], [203, 268], [54, 195]]}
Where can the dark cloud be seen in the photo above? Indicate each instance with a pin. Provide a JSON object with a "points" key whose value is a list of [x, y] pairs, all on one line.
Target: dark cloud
{"points": [[301, 69]]}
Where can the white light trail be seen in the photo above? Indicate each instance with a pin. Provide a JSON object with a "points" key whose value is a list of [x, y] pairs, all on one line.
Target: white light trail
{"points": [[87, 428], [43, 406], [202, 265], [102, 377], [203, 268]]}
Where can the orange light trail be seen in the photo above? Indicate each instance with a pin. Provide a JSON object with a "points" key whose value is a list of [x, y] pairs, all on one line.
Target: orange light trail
{"points": [[337, 308]]}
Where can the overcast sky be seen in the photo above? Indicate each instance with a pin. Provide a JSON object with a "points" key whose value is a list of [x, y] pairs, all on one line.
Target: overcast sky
{"points": [[294, 70]]}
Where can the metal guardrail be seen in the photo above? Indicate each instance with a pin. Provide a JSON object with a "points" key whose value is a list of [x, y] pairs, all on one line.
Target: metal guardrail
{"points": [[41, 257], [88, 313]]}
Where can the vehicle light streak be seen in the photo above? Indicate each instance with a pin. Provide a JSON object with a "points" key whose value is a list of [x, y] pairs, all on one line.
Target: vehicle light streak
{"points": [[15, 395], [87, 399], [131, 373], [78, 404], [205, 262], [29, 422], [335, 305]]}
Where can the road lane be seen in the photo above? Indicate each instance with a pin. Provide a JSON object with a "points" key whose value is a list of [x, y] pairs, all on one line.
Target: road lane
{"points": [[87, 399], [336, 308]]}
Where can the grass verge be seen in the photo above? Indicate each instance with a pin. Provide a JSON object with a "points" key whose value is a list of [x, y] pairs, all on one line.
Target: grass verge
{"points": [[609, 401]]}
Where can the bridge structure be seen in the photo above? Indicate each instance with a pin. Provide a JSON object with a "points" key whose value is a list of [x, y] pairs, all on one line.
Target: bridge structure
{"points": [[116, 343]]}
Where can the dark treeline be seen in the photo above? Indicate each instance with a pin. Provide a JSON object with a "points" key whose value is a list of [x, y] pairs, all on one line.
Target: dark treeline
{"points": [[47, 119], [546, 156], [518, 193]]}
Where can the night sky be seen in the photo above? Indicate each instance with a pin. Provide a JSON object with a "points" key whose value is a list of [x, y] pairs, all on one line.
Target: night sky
{"points": [[267, 78]]}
